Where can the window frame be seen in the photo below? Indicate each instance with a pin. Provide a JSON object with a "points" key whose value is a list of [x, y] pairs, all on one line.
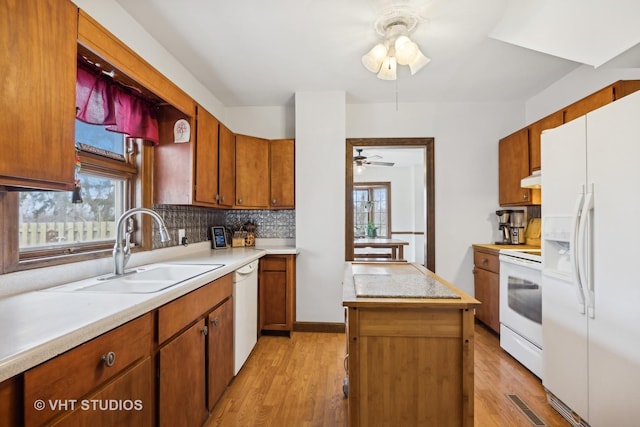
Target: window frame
{"points": [[371, 187], [136, 169]]}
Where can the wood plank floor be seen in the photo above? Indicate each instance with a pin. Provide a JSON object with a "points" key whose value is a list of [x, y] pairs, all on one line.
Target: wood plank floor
{"points": [[297, 382]]}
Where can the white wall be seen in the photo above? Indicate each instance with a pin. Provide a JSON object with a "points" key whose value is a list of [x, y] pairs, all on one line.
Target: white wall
{"points": [[320, 205]]}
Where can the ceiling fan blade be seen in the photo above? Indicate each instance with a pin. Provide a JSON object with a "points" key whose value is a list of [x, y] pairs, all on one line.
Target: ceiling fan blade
{"points": [[381, 163]]}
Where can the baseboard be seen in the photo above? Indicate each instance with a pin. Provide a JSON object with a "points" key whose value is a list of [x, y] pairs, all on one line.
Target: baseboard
{"points": [[318, 327]]}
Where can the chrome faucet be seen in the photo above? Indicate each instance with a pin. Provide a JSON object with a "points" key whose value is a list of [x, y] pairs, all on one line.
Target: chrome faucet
{"points": [[121, 254]]}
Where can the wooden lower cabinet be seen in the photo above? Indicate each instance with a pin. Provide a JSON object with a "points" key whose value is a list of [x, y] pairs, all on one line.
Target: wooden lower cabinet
{"points": [[277, 284], [11, 402], [95, 368], [195, 359], [486, 281], [219, 352], [122, 379], [182, 384], [410, 366]]}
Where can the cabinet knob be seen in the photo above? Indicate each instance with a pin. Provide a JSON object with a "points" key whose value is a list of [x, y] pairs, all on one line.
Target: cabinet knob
{"points": [[525, 195], [215, 321], [205, 330], [240, 201], [109, 359], [273, 201], [217, 197], [484, 260], [222, 199]]}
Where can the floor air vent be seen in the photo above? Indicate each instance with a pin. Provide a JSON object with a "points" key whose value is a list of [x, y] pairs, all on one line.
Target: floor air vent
{"points": [[535, 420]]}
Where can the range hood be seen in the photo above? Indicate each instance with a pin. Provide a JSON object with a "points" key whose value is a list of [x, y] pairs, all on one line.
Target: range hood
{"points": [[532, 181]]}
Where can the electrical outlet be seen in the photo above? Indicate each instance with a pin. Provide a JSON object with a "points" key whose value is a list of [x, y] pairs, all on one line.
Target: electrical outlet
{"points": [[181, 234]]}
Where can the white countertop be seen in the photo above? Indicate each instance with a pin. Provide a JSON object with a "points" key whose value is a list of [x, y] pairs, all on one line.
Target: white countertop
{"points": [[40, 324]]}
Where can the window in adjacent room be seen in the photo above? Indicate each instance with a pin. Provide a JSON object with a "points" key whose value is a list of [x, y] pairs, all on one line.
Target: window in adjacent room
{"points": [[372, 209]]}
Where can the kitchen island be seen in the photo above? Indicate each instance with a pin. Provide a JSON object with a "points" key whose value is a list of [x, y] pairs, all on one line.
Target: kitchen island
{"points": [[410, 347]]}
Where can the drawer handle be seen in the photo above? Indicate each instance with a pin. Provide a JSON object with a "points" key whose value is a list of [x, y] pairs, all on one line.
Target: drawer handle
{"points": [[109, 359], [484, 260], [215, 321]]}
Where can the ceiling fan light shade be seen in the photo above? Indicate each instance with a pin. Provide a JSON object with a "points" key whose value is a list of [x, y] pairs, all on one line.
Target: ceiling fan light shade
{"points": [[406, 50], [373, 59], [418, 62], [388, 69]]}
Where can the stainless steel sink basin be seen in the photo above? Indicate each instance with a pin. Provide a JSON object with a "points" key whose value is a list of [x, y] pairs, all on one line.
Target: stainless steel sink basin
{"points": [[149, 279]]}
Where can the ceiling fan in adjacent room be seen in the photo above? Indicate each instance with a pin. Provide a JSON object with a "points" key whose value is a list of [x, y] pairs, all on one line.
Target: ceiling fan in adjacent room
{"points": [[360, 160]]}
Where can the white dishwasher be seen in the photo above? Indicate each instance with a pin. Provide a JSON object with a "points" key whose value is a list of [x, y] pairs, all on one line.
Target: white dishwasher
{"points": [[245, 313]]}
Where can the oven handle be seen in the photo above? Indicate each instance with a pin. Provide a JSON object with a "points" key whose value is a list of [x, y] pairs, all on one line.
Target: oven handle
{"points": [[573, 253]]}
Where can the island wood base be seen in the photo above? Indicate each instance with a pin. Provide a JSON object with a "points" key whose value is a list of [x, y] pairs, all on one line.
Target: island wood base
{"points": [[410, 360]]}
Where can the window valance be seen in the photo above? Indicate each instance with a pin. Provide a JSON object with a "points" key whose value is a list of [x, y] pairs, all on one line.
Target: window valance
{"points": [[101, 101]]}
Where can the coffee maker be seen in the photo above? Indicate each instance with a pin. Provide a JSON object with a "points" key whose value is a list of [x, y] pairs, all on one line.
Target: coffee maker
{"points": [[504, 225]]}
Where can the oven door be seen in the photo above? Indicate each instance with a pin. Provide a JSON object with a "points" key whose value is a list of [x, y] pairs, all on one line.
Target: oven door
{"points": [[521, 297]]}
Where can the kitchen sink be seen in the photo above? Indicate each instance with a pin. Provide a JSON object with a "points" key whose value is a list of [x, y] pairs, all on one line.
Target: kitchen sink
{"points": [[149, 279]]}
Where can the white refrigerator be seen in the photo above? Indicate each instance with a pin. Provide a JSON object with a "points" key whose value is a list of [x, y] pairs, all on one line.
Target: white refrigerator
{"points": [[591, 265]]}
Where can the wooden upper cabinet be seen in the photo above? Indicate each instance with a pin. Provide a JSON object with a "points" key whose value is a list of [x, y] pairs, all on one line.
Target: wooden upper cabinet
{"points": [[252, 172], [206, 161], [38, 78], [226, 167], [535, 134], [513, 165], [282, 169], [173, 164], [600, 98]]}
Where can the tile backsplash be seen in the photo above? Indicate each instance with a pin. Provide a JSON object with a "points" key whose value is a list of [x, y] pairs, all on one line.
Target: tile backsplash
{"points": [[197, 220]]}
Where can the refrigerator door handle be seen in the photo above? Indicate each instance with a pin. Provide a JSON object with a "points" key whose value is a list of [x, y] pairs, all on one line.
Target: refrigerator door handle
{"points": [[587, 207], [573, 253]]}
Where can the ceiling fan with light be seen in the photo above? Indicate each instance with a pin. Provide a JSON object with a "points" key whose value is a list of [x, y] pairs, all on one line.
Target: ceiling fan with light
{"points": [[360, 161]]}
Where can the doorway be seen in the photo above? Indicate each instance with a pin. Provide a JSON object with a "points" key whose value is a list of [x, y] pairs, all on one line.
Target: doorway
{"points": [[427, 144]]}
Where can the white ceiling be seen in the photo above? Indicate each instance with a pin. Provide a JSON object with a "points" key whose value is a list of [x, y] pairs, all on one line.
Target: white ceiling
{"points": [[259, 53]]}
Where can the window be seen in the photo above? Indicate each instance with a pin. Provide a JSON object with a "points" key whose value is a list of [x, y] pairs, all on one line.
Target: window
{"points": [[372, 209], [51, 225]]}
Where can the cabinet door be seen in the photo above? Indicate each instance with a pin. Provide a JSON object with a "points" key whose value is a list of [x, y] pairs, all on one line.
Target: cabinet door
{"points": [[226, 167], [206, 160], [38, 78], [220, 351], [277, 292], [182, 379], [281, 165], [487, 291], [11, 402], [252, 172], [513, 164], [131, 393], [535, 132]]}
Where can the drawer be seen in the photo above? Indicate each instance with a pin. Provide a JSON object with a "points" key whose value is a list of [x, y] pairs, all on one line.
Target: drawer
{"points": [[178, 314], [486, 260], [273, 263], [75, 373]]}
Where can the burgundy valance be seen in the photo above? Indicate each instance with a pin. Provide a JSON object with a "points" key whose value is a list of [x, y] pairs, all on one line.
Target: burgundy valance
{"points": [[101, 101]]}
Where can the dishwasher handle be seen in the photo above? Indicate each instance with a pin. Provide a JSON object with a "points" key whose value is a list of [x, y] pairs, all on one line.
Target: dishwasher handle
{"points": [[248, 268]]}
